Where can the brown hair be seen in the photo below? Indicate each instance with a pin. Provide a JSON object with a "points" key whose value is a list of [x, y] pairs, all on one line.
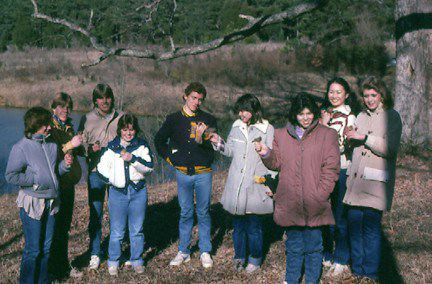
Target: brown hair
{"points": [[62, 99], [374, 83], [103, 91], [34, 119], [125, 120], [196, 87]]}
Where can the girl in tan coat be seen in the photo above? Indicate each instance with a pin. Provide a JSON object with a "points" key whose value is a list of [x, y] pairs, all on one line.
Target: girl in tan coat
{"points": [[371, 176]]}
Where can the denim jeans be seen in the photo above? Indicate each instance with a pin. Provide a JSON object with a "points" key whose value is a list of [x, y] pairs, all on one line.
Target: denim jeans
{"points": [[38, 237], [338, 233], [201, 184], [96, 195], [248, 230], [365, 238], [126, 209], [303, 244]]}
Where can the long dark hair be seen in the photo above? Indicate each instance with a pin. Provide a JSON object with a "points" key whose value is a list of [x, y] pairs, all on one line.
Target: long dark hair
{"points": [[250, 103], [352, 100], [299, 103]]}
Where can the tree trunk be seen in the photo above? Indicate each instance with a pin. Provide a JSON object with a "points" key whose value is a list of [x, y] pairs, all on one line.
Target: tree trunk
{"points": [[414, 70]]}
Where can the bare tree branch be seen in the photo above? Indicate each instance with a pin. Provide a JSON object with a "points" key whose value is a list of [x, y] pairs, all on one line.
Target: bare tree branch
{"points": [[253, 26], [90, 24]]}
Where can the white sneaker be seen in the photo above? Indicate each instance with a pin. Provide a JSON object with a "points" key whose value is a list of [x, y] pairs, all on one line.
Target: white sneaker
{"points": [[94, 262], [326, 263], [128, 264], [179, 259], [206, 260], [113, 270], [250, 268], [339, 269]]}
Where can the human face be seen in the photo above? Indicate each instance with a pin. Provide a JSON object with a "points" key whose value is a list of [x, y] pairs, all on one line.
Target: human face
{"points": [[337, 95], [44, 130], [62, 112], [127, 133], [193, 101], [372, 99], [245, 116], [104, 104], [305, 118]]}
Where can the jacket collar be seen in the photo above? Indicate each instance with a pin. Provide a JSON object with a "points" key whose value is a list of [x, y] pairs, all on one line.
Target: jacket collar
{"points": [[345, 109], [109, 116], [40, 138], [377, 111], [117, 147], [291, 129], [58, 124], [261, 126]]}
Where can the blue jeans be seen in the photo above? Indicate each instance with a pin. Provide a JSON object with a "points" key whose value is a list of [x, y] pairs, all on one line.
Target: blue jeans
{"points": [[338, 233], [201, 184], [126, 209], [365, 238], [38, 237], [248, 230], [303, 244], [96, 195]]}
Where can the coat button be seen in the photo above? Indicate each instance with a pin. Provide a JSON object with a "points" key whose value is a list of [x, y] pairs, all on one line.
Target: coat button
{"points": [[370, 132], [355, 174]]}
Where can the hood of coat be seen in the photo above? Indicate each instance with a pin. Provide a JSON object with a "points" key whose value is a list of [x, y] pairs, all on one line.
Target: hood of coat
{"points": [[291, 129], [261, 126]]}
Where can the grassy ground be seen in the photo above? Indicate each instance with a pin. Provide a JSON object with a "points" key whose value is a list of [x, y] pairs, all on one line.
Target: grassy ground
{"points": [[407, 252]]}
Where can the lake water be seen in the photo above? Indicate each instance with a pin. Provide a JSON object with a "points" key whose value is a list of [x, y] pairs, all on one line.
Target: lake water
{"points": [[12, 130]]}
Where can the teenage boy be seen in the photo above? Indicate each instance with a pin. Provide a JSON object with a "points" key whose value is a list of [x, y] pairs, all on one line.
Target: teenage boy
{"points": [[98, 127], [183, 141]]}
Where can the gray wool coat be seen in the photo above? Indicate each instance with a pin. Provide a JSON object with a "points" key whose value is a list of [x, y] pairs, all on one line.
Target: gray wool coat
{"points": [[241, 194]]}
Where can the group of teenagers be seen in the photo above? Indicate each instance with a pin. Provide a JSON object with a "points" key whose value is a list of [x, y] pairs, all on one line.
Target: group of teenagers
{"points": [[335, 165]]}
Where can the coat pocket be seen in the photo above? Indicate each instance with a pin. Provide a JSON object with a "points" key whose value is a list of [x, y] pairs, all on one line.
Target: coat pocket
{"points": [[376, 174]]}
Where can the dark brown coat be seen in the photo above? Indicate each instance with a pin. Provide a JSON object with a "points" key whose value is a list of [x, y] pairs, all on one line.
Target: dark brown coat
{"points": [[308, 170]]}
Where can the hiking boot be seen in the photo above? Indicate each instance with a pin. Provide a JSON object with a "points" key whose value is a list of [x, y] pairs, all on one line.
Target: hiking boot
{"points": [[206, 260], [180, 258], [251, 268], [94, 262], [113, 270]]}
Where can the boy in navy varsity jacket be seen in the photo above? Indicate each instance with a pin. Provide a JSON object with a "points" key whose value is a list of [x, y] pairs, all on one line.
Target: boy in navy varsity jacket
{"points": [[183, 141]]}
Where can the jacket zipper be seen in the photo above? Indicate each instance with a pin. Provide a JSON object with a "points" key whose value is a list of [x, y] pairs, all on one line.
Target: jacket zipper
{"points": [[49, 164], [302, 189]]}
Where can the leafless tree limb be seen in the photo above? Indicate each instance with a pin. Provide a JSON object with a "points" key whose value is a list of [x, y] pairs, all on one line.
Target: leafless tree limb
{"points": [[90, 24], [253, 26]]}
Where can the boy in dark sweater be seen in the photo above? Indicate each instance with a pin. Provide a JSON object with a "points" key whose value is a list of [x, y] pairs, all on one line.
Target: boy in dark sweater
{"points": [[183, 141]]}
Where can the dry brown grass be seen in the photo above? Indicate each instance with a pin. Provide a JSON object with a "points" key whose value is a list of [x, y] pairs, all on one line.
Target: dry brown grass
{"points": [[407, 252], [32, 77]]}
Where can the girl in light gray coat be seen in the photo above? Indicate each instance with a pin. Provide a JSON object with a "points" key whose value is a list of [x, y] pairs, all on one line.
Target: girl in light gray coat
{"points": [[245, 196]]}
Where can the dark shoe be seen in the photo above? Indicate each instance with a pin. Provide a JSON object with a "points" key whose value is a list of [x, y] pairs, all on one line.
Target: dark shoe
{"points": [[239, 265]]}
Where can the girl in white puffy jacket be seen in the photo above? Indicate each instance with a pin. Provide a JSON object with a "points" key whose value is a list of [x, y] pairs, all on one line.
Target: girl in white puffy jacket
{"points": [[123, 164]]}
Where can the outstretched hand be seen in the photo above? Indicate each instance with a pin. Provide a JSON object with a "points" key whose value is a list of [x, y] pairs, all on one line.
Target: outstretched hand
{"points": [[261, 148]]}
